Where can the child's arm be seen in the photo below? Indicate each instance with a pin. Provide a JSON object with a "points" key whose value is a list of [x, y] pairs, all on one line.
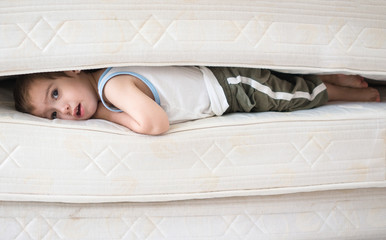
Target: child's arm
{"points": [[140, 113]]}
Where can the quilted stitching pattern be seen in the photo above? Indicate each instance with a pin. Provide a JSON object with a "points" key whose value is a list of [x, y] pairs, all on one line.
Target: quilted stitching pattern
{"points": [[337, 215], [98, 165], [271, 33], [41, 34], [60, 36], [99, 161], [6, 156], [255, 29]]}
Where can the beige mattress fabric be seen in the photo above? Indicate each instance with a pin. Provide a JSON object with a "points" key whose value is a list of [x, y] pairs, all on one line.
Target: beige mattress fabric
{"points": [[348, 214], [337, 146], [315, 174], [304, 35]]}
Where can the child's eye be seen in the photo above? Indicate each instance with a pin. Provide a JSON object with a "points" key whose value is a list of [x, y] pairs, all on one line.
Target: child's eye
{"points": [[55, 93], [53, 115]]}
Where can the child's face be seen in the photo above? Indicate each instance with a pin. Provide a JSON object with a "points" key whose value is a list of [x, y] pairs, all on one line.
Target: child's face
{"points": [[70, 98]]}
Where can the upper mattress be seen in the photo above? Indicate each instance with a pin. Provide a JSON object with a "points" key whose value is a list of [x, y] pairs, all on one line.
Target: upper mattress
{"points": [[302, 35], [339, 146]]}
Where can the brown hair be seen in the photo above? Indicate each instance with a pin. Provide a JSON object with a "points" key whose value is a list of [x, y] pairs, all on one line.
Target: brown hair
{"points": [[23, 84]]}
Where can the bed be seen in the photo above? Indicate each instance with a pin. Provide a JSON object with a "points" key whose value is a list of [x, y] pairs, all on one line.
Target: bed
{"points": [[314, 174]]}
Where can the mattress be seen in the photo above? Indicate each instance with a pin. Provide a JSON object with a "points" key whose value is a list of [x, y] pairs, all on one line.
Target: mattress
{"points": [[312, 174], [266, 175], [344, 214], [308, 36], [338, 146]]}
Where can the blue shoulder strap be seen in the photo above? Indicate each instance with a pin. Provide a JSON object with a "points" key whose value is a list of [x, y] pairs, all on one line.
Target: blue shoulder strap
{"points": [[105, 78]]}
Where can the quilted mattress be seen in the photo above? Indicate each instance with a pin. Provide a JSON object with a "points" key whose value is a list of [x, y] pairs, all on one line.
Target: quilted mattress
{"points": [[338, 146], [314, 174], [301, 35]]}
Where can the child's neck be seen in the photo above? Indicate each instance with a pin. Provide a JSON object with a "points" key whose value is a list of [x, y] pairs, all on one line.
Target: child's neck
{"points": [[94, 78]]}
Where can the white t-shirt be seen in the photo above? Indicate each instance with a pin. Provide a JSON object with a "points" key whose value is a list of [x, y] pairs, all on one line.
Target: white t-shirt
{"points": [[185, 93]]}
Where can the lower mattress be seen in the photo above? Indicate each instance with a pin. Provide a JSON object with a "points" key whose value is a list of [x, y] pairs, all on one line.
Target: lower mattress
{"points": [[314, 174], [337, 146], [343, 214]]}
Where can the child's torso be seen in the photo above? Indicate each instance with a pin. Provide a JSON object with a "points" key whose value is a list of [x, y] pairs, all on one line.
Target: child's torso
{"points": [[181, 91]]}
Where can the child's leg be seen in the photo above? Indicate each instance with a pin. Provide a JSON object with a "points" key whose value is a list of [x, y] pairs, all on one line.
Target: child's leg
{"points": [[349, 88], [260, 90]]}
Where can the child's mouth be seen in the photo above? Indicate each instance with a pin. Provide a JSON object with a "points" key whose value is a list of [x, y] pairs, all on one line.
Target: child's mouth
{"points": [[78, 111]]}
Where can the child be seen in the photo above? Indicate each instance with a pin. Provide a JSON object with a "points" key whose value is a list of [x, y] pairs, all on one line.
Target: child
{"points": [[148, 99]]}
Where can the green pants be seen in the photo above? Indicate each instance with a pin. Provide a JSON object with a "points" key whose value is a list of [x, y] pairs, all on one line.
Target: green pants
{"points": [[261, 90]]}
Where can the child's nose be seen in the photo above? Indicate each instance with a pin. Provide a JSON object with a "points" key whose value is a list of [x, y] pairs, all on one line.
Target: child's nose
{"points": [[66, 109]]}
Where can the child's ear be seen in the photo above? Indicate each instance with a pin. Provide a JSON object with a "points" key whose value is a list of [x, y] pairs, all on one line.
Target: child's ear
{"points": [[72, 73]]}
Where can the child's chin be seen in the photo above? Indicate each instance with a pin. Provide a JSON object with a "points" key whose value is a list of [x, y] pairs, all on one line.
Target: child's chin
{"points": [[82, 118], [85, 117]]}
